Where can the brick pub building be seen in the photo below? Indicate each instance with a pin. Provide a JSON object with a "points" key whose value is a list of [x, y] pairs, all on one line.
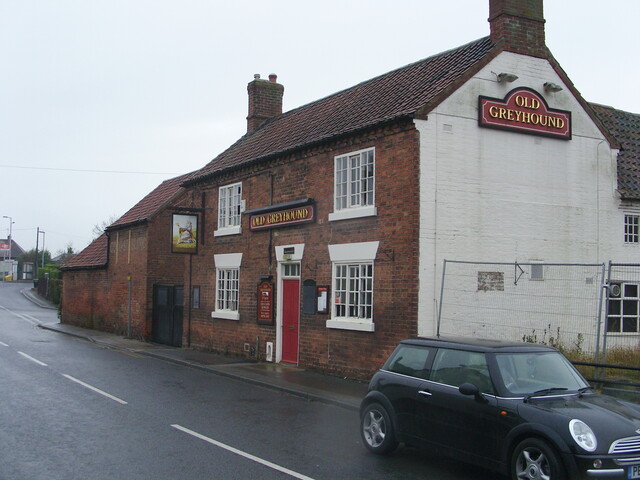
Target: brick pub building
{"points": [[317, 238]]}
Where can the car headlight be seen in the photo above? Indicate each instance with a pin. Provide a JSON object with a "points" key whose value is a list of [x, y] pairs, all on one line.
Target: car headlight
{"points": [[583, 435]]}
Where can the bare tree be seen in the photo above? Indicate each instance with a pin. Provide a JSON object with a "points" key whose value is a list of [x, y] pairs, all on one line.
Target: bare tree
{"points": [[99, 228]]}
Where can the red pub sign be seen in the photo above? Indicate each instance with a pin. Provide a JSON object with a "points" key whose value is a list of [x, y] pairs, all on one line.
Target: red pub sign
{"points": [[282, 218], [524, 110]]}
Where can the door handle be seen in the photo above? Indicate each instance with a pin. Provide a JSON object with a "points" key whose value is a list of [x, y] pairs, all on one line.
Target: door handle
{"points": [[425, 393]]}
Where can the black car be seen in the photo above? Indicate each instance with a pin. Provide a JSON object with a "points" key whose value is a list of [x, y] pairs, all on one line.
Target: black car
{"points": [[517, 408]]}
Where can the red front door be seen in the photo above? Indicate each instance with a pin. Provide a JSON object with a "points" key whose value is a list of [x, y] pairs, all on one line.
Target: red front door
{"points": [[290, 320]]}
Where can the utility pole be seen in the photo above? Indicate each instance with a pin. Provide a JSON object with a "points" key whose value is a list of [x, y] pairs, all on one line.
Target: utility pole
{"points": [[35, 263]]}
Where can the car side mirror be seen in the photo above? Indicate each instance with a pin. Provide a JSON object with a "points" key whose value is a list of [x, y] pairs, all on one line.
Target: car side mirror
{"points": [[471, 389]]}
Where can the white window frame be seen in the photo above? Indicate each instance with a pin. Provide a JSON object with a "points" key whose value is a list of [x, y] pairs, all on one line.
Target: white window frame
{"points": [[348, 183], [631, 229], [352, 259], [227, 288], [627, 298], [229, 210]]}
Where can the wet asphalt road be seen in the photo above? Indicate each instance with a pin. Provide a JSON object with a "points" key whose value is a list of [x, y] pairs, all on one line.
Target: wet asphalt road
{"points": [[74, 410]]}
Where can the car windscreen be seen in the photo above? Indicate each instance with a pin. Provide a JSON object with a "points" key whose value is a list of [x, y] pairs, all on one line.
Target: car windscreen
{"points": [[527, 373]]}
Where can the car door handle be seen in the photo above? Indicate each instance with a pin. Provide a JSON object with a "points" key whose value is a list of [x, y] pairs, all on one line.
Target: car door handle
{"points": [[425, 393]]}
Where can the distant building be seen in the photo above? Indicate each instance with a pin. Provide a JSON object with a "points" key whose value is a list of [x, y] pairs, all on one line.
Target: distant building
{"points": [[9, 253], [318, 238], [9, 249]]}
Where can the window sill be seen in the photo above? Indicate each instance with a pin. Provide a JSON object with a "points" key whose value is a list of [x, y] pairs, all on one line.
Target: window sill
{"points": [[348, 213], [228, 231], [359, 326], [226, 315]]}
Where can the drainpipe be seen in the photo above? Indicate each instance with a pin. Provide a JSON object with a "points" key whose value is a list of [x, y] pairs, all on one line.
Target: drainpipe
{"points": [[129, 307], [269, 253], [190, 300]]}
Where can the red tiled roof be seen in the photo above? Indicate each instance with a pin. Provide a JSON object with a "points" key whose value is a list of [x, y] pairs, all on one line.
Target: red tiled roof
{"points": [[388, 97], [625, 128], [151, 204], [94, 256]]}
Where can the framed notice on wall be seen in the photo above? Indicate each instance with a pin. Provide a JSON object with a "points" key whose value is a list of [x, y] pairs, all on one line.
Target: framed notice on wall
{"points": [[265, 303], [184, 236], [323, 299]]}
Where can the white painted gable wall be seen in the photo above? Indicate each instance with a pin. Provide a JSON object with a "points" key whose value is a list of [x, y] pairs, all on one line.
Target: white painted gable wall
{"points": [[502, 196]]}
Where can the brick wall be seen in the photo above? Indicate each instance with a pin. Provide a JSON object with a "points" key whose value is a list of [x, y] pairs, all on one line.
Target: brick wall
{"points": [[144, 253], [164, 266], [310, 174], [127, 259], [84, 297]]}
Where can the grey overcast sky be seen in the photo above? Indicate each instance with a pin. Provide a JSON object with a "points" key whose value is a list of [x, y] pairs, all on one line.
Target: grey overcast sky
{"points": [[102, 100]]}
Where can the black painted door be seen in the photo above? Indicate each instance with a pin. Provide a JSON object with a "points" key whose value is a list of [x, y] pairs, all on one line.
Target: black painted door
{"points": [[167, 314]]}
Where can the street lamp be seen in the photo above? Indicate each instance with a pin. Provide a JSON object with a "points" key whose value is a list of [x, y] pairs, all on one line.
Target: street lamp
{"points": [[10, 232], [42, 232]]}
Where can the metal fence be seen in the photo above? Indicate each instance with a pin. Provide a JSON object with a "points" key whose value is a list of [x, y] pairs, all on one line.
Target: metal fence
{"points": [[556, 304], [590, 311]]}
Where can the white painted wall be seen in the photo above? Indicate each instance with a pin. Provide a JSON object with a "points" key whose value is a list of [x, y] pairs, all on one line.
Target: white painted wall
{"points": [[495, 196]]}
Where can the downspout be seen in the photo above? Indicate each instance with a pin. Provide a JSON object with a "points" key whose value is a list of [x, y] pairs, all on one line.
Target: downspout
{"points": [[129, 305], [437, 308], [270, 255], [598, 226], [190, 300]]}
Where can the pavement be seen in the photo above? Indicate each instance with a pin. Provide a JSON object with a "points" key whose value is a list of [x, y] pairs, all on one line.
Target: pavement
{"points": [[343, 392]]}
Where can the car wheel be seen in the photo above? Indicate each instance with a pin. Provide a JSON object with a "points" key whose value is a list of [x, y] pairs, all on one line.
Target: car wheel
{"points": [[533, 459], [377, 431]]}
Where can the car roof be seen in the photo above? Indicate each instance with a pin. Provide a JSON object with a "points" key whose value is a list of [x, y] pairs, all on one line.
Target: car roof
{"points": [[478, 344]]}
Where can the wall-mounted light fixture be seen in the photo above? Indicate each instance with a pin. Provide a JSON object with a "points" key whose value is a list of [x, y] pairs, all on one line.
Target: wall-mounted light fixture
{"points": [[552, 87], [505, 77]]}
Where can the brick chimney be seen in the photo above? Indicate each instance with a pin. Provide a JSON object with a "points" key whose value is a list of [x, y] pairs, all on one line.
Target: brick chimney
{"points": [[265, 100], [519, 24]]}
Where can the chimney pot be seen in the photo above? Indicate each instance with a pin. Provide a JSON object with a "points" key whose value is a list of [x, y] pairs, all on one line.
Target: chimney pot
{"points": [[256, 76], [519, 26], [265, 101]]}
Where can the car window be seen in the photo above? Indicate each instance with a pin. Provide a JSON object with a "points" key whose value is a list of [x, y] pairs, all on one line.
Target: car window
{"points": [[524, 373], [410, 360], [455, 367]]}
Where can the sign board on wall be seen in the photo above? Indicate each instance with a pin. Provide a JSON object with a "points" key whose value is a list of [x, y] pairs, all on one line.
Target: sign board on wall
{"points": [[184, 237], [282, 218], [265, 303], [524, 110]]}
